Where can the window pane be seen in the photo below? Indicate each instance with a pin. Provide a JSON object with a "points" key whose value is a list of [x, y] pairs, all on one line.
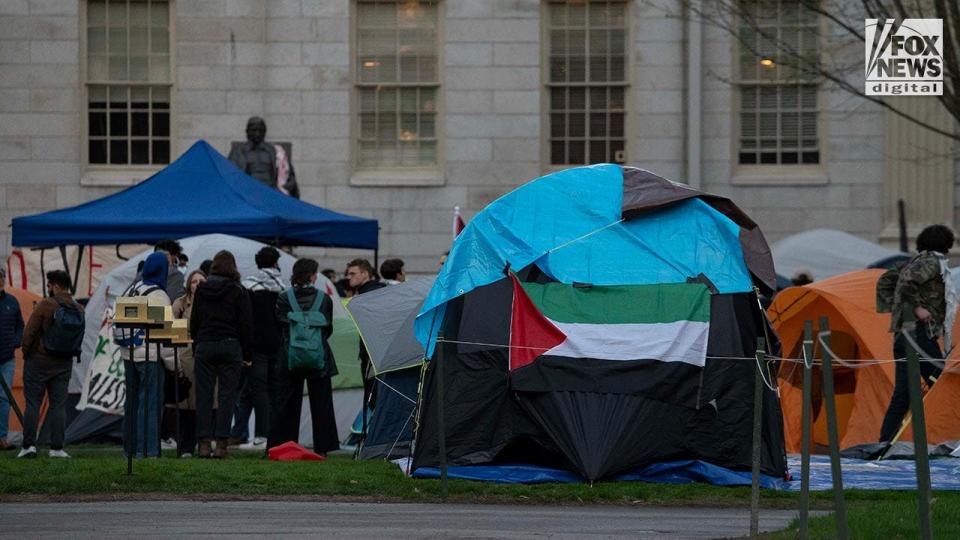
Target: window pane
{"points": [[98, 152], [161, 124], [96, 13], [161, 151], [96, 40], [140, 124], [118, 124], [118, 152], [97, 124], [140, 152]]}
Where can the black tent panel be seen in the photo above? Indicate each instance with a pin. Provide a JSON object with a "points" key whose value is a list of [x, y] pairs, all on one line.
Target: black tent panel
{"points": [[391, 426]]}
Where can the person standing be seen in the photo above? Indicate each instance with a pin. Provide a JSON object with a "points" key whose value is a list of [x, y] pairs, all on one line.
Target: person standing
{"points": [[221, 325], [296, 311], [51, 340], [187, 438], [392, 271], [924, 283], [11, 334], [143, 377], [361, 275], [264, 287]]}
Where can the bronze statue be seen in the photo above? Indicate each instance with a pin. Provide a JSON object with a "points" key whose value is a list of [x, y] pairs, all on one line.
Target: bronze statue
{"points": [[267, 162]]}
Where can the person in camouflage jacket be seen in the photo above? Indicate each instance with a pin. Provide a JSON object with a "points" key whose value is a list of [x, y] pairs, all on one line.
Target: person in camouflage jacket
{"points": [[924, 285]]}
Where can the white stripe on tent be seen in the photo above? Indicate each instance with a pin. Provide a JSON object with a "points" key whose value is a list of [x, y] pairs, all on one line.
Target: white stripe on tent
{"points": [[680, 341]]}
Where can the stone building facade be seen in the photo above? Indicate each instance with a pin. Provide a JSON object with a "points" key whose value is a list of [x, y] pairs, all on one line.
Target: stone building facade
{"points": [[485, 109]]}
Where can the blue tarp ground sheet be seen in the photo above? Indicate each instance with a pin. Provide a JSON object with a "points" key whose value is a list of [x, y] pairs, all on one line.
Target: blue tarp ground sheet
{"points": [[857, 474]]}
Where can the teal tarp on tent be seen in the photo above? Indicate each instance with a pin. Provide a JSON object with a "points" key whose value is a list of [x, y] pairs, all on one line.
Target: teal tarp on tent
{"points": [[577, 226]]}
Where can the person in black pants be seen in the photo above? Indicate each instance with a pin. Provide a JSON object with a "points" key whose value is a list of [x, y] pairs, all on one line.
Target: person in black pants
{"points": [[221, 325], [285, 424], [264, 287]]}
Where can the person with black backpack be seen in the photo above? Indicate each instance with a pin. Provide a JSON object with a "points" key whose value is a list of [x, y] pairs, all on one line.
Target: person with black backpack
{"points": [[305, 315], [51, 341]]}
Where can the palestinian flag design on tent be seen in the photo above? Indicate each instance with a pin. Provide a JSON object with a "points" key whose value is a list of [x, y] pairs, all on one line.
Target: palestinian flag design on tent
{"points": [[667, 322], [606, 349]]}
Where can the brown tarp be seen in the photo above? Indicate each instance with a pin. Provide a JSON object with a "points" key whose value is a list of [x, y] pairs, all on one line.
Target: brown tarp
{"points": [[644, 191]]}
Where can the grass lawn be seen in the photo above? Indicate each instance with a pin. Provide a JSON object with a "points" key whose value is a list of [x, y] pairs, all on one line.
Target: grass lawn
{"points": [[887, 519], [100, 472]]}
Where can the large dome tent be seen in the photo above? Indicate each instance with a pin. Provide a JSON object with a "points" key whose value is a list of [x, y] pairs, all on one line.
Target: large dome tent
{"points": [[536, 368]]}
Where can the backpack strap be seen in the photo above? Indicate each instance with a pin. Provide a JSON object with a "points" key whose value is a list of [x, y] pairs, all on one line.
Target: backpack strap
{"points": [[317, 302], [294, 304]]}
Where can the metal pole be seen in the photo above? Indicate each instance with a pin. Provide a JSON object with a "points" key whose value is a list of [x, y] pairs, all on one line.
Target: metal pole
{"points": [[146, 389], [161, 375], [129, 430], [176, 395], [840, 507], [919, 432], [13, 402], [442, 436], [757, 440], [805, 428]]}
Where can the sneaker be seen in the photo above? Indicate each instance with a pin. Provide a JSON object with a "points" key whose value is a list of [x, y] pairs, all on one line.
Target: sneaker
{"points": [[186, 455], [29, 452], [5, 445], [58, 454], [233, 441], [258, 443], [168, 444]]}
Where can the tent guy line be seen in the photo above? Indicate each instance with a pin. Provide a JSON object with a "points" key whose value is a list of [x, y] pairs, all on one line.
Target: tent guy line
{"points": [[856, 363]]}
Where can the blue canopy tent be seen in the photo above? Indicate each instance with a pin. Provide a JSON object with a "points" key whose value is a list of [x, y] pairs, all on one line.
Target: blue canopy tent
{"points": [[199, 193]]}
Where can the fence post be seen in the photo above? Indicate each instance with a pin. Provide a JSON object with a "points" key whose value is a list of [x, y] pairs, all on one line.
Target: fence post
{"points": [[805, 428], [758, 385], [441, 419], [840, 507], [919, 431]]}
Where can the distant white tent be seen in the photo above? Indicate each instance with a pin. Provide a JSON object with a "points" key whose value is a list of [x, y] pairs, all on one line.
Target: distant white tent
{"points": [[826, 253]]}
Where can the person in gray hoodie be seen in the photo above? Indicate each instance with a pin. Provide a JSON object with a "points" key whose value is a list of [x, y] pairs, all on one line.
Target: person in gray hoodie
{"points": [[264, 286]]}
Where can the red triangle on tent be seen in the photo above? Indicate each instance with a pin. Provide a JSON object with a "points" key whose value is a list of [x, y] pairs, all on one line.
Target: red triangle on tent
{"points": [[531, 334]]}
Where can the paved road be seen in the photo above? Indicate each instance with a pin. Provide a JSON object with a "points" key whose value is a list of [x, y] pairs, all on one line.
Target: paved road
{"points": [[343, 520]]}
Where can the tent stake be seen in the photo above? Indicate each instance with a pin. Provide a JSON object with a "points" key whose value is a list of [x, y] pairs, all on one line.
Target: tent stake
{"points": [[919, 432], [440, 418], [840, 507], [757, 440], [805, 428]]}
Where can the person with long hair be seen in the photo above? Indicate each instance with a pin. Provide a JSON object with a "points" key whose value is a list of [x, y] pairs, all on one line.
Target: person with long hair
{"points": [[187, 438], [285, 422], [221, 326]]}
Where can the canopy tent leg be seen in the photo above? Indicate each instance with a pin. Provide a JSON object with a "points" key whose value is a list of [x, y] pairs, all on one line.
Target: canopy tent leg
{"points": [[43, 273], [376, 260]]}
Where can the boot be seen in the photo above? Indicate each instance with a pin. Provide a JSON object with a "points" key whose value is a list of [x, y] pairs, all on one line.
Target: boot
{"points": [[220, 452], [203, 450]]}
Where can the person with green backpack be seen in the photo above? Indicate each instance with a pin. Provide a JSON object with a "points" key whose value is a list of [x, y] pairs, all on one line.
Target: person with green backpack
{"points": [[305, 358]]}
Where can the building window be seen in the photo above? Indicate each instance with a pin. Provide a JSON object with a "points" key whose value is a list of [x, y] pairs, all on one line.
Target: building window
{"points": [[778, 84], [397, 83], [587, 81], [128, 82]]}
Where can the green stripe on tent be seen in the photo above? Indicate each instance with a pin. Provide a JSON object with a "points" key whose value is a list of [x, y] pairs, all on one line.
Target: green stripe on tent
{"points": [[621, 304]]}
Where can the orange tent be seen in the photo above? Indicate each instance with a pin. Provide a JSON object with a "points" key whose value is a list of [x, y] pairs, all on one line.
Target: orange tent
{"points": [[857, 332], [27, 300]]}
